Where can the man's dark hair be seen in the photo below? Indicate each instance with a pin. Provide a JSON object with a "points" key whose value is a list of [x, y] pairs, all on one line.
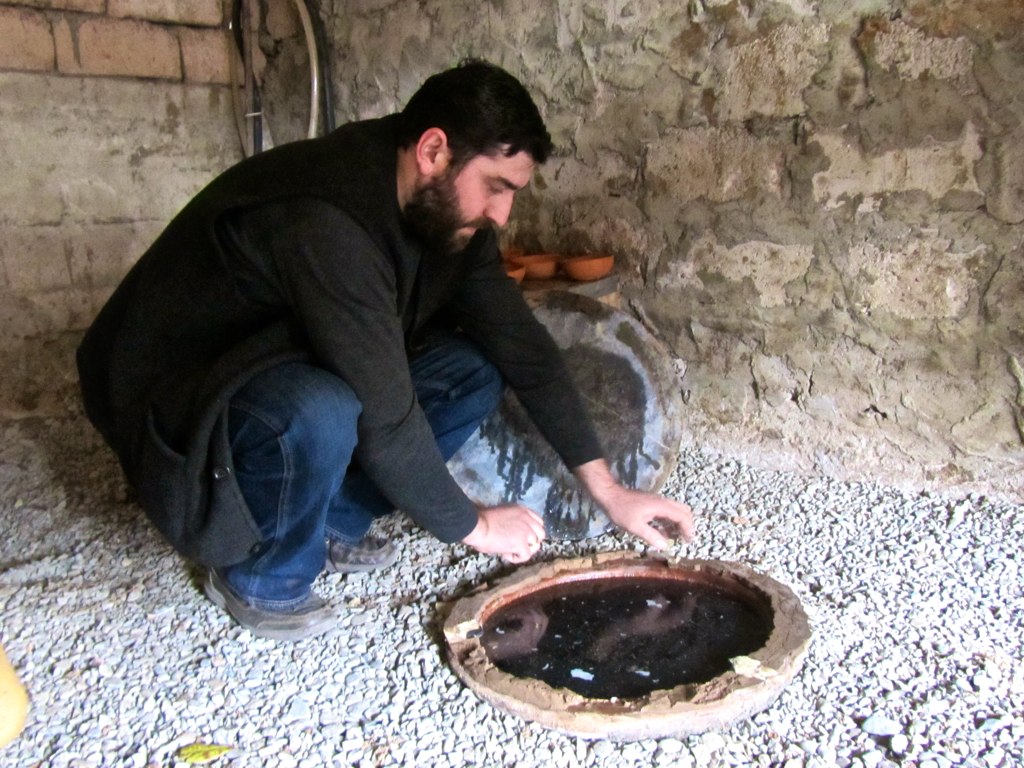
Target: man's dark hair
{"points": [[481, 108]]}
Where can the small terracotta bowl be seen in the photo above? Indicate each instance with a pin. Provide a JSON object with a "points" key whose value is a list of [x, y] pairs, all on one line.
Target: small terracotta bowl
{"points": [[539, 266], [516, 272], [512, 253], [586, 268]]}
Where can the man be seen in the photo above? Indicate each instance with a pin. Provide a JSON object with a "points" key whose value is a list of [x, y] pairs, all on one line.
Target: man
{"points": [[317, 332]]}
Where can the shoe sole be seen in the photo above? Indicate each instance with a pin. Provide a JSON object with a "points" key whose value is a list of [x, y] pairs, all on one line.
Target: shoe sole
{"points": [[330, 567], [316, 630]]}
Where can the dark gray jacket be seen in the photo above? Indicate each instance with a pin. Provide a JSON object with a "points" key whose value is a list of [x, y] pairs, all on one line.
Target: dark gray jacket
{"points": [[183, 332]]}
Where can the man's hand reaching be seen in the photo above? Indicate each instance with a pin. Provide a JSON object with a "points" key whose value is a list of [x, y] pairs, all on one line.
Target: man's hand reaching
{"points": [[646, 515], [510, 530]]}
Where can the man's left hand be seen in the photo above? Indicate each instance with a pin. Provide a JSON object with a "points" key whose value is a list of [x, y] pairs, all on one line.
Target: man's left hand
{"points": [[645, 515]]}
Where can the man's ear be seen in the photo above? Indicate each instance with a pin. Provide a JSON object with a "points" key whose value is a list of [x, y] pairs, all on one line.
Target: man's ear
{"points": [[432, 152]]}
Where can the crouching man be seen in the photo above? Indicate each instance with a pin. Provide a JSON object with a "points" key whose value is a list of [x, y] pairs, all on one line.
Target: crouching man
{"points": [[317, 332]]}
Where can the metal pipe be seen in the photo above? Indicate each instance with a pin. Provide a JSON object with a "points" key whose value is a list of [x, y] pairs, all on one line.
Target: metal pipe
{"points": [[314, 69], [245, 96]]}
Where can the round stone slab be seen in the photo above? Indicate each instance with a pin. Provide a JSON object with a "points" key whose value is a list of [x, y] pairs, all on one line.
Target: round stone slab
{"points": [[627, 379]]}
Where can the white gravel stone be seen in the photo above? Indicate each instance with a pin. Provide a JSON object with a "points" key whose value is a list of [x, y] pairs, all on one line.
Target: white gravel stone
{"points": [[880, 725], [912, 598], [712, 741], [603, 748], [898, 744], [671, 746]]}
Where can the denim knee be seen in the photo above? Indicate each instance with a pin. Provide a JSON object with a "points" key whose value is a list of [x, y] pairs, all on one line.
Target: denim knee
{"points": [[456, 370], [482, 390], [305, 413], [293, 430], [457, 388], [322, 428]]}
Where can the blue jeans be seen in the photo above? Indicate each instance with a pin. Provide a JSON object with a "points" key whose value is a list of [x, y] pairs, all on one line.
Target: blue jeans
{"points": [[293, 430]]}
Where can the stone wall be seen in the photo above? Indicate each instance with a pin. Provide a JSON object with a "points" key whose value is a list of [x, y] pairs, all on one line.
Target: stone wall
{"points": [[818, 205]]}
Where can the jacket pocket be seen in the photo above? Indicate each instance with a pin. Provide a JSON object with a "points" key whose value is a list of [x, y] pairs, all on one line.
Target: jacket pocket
{"points": [[194, 499], [164, 486]]}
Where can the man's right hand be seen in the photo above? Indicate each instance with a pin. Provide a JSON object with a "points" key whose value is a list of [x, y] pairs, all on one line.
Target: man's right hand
{"points": [[510, 530]]}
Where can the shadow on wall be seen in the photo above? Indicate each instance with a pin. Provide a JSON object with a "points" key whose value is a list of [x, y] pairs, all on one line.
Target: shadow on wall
{"points": [[40, 378]]}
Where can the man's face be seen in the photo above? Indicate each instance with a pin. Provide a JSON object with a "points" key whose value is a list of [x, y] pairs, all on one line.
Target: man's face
{"points": [[447, 210]]}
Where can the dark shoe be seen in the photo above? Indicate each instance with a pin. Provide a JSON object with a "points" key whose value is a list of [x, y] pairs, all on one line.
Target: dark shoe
{"points": [[368, 555], [307, 619]]}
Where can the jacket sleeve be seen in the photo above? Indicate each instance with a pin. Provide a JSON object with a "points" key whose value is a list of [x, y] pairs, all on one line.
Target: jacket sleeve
{"points": [[491, 310], [343, 292]]}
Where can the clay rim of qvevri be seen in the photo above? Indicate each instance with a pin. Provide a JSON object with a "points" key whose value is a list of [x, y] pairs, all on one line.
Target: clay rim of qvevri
{"points": [[754, 683]]}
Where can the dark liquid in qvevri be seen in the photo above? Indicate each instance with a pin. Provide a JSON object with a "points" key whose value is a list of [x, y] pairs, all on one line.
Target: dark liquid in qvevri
{"points": [[626, 636]]}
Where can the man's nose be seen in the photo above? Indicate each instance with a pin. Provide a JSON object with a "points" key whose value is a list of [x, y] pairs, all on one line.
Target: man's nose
{"points": [[499, 208]]}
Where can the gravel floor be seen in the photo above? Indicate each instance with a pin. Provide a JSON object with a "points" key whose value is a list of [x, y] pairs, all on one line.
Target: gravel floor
{"points": [[915, 601]]}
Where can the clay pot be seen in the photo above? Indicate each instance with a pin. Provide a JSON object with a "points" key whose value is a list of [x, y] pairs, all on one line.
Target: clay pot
{"points": [[587, 268], [512, 253], [13, 702], [515, 271], [539, 266]]}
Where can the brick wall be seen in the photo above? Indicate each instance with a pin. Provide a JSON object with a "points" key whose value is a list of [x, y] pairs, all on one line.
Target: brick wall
{"points": [[113, 113], [153, 39]]}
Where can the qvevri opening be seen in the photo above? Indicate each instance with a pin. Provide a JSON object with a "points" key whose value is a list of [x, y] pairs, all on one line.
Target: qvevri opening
{"points": [[626, 635], [623, 646]]}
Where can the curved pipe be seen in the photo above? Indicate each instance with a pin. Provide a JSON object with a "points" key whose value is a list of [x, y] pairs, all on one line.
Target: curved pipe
{"points": [[248, 115], [326, 79], [314, 69], [250, 133]]}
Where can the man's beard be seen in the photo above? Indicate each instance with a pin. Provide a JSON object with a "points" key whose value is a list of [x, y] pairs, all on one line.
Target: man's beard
{"points": [[432, 213]]}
